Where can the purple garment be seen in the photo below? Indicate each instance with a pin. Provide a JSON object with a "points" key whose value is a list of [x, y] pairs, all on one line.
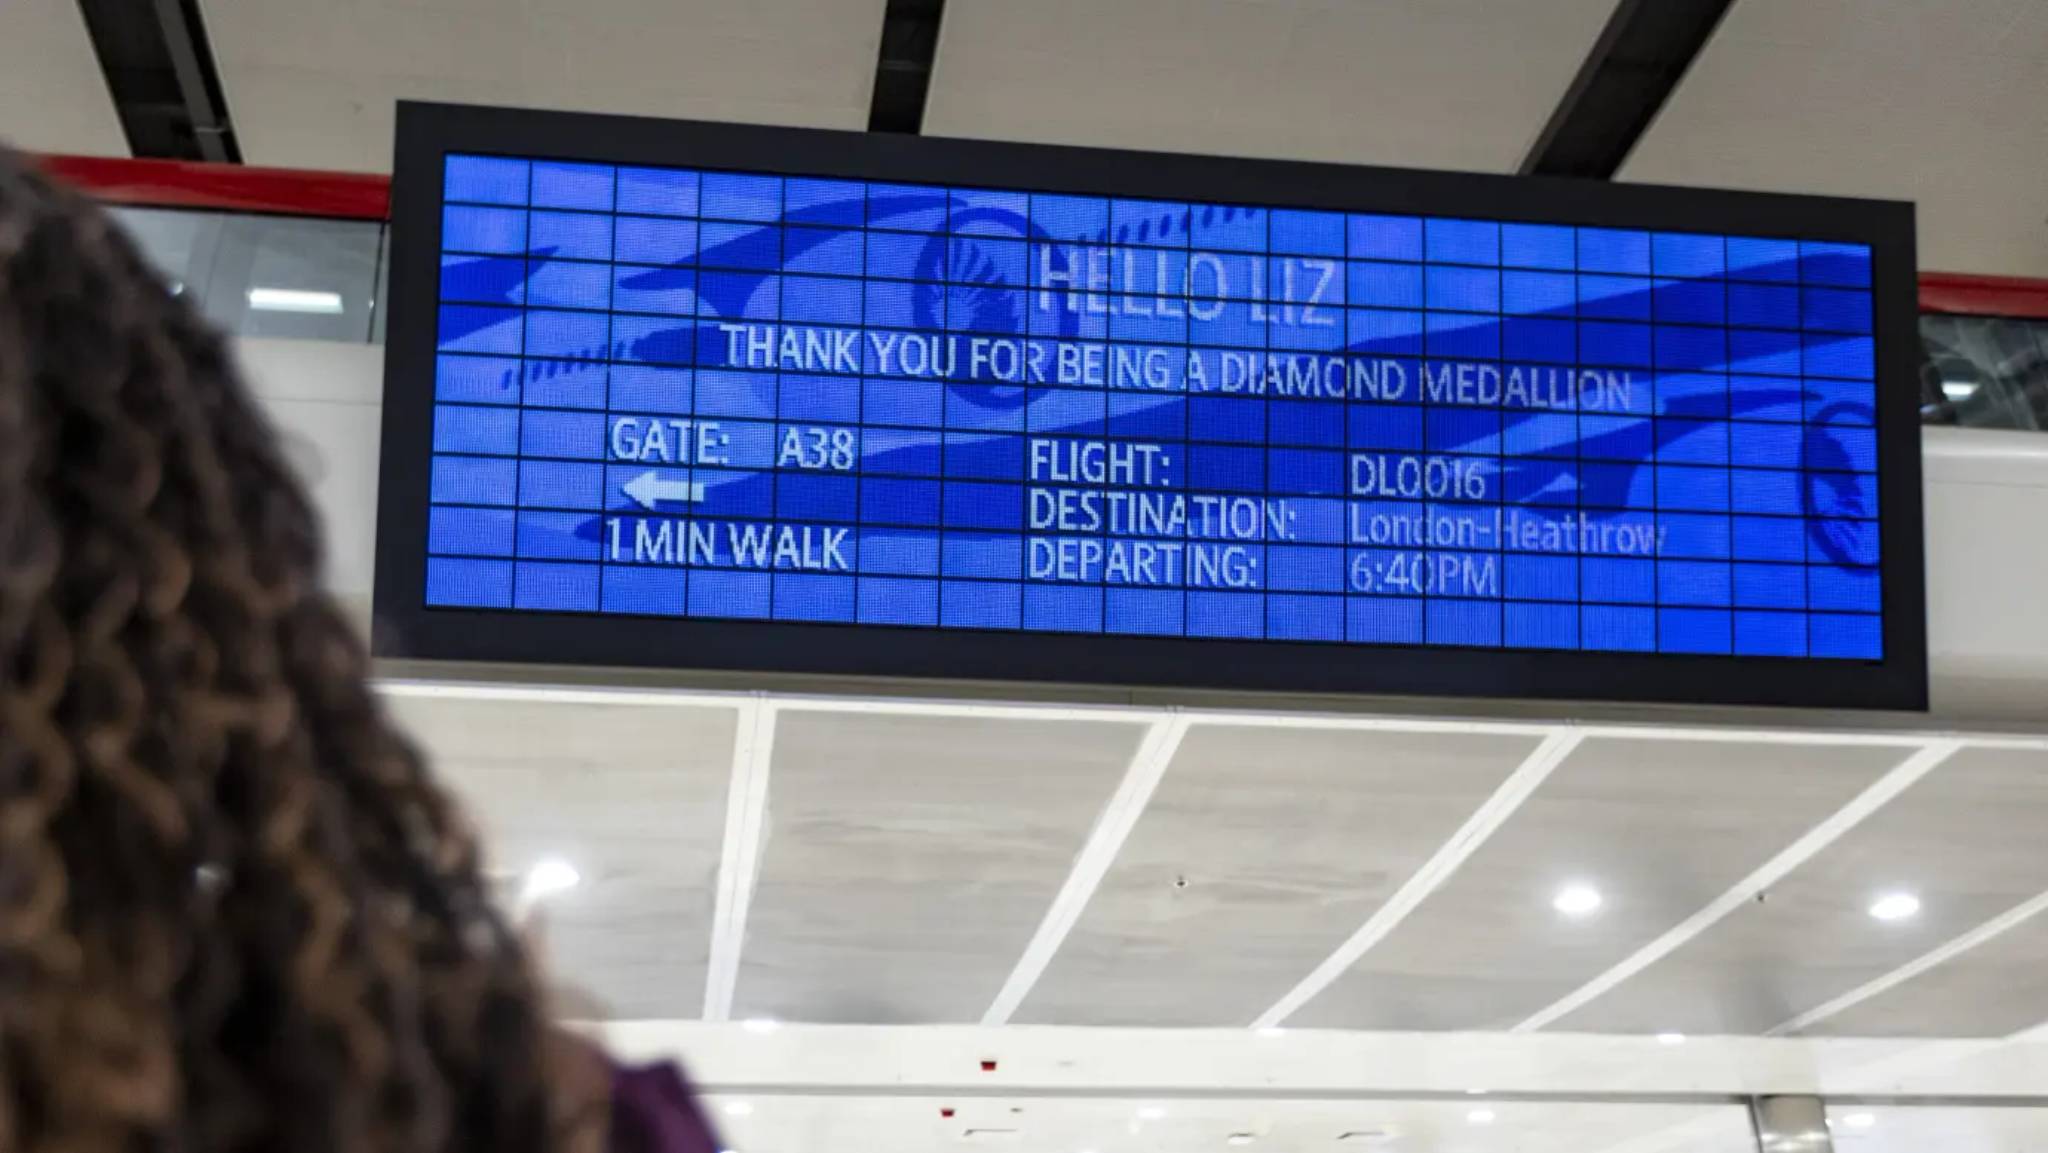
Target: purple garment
{"points": [[655, 1111]]}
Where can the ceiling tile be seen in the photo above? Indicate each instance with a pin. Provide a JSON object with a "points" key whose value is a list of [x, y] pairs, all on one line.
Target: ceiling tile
{"points": [[1661, 828], [1995, 990], [634, 798], [53, 97], [908, 860], [1462, 84], [1936, 101], [1964, 840], [1261, 852], [313, 85]]}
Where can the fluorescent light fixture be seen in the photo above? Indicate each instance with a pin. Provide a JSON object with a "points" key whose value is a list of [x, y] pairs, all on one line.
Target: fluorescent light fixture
{"points": [[549, 877], [1859, 1121], [1671, 1038], [1480, 1117], [1959, 389], [1895, 907], [296, 300], [1577, 901], [739, 1108], [761, 1025], [1151, 1113]]}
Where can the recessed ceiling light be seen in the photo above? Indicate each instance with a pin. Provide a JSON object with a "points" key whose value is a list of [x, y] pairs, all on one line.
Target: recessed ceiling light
{"points": [[548, 877], [295, 300], [1577, 900], [1239, 1139], [760, 1024], [1895, 907], [1480, 1117], [1151, 1113], [739, 1108], [1859, 1120], [1475, 1092], [1671, 1038]]}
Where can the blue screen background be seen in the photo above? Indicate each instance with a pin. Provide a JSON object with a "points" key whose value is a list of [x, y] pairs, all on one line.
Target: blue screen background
{"points": [[664, 392]]}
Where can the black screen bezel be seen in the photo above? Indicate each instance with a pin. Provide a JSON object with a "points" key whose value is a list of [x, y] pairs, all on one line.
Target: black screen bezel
{"points": [[406, 628]]}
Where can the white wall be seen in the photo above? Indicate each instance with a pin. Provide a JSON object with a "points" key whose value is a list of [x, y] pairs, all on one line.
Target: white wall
{"points": [[1987, 522], [327, 399], [1987, 554]]}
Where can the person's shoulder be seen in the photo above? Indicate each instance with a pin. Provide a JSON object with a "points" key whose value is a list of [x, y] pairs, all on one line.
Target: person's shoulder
{"points": [[654, 1110]]}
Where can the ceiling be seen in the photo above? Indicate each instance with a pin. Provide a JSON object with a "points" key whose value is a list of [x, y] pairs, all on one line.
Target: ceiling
{"points": [[312, 83], [52, 95], [1443, 84], [1944, 102], [896, 862]]}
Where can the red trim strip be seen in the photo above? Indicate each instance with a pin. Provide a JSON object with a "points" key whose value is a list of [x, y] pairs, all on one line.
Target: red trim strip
{"points": [[1959, 292], [226, 187], [364, 196]]}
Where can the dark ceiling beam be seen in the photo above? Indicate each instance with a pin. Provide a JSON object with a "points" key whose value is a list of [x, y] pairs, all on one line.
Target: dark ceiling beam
{"points": [[903, 65], [160, 71], [1635, 64]]}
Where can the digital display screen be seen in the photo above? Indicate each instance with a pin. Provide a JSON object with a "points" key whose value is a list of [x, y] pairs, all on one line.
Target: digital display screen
{"points": [[696, 392]]}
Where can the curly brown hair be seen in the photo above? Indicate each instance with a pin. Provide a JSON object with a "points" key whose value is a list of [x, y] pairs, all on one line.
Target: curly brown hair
{"points": [[236, 912]]}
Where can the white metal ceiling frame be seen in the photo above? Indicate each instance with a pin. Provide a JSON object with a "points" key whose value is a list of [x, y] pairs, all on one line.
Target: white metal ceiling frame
{"points": [[1163, 1065], [1165, 728], [739, 865]]}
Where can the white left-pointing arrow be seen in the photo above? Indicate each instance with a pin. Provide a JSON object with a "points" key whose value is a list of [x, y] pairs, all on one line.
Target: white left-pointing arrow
{"points": [[649, 489]]}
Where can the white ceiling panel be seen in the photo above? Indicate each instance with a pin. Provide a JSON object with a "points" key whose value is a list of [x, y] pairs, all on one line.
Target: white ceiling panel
{"points": [[1994, 990], [312, 84], [1944, 102], [917, 857], [906, 861], [1964, 841], [1262, 850], [1659, 829], [1422, 83], [53, 97], [633, 798]]}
